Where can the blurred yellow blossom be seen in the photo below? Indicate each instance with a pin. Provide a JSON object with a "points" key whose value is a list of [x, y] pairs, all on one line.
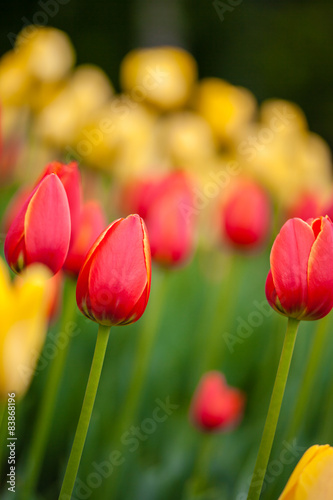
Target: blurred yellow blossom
{"points": [[23, 311], [312, 478], [227, 108], [163, 76]]}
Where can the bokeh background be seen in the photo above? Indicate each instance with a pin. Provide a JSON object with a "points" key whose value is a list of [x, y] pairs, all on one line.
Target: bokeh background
{"points": [[275, 48]]}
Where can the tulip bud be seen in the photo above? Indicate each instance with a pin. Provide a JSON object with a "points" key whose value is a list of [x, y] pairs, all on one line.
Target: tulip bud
{"points": [[41, 231], [91, 225], [114, 282], [300, 282], [163, 204], [216, 406], [70, 177], [312, 477], [246, 216]]}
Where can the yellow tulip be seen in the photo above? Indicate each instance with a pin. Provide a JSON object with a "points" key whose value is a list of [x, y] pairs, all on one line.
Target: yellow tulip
{"points": [[227, 108], [23, 326], [312, 478], [162, 76]]}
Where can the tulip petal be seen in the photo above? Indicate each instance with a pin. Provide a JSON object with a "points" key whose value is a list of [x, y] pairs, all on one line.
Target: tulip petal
{"points": [[118, 277], [320, 271], [47, 224], [289, 265]]}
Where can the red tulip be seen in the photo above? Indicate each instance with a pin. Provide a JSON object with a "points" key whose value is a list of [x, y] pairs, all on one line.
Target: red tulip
{"points": [[14, 207], [41, 230], [300, 282], [246, 216], [114, 282], [91, 225], [216, 406], [160, 202], [71, 180], [306, 207]]}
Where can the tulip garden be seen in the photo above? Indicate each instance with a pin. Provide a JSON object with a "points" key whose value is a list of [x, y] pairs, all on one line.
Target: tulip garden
{"points": [[166, 282]]}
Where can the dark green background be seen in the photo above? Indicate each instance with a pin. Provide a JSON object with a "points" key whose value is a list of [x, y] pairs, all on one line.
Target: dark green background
{"points": [[274, 48]]}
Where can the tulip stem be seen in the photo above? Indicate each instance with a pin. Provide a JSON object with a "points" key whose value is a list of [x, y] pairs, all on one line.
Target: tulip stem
{"points": [[199, 481], [309, 378], [46, 412], [140, 367], [86, 411], [273, 411]]}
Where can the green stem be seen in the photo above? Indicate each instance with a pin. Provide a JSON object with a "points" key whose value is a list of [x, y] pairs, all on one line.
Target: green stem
{"points": [[141, 364], [86, 411], [273, 411], [309, 378], [46, 412], [199, 481], [211, 356]]}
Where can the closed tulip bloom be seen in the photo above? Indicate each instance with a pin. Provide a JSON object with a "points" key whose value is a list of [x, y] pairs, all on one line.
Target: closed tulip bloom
{"points": [[91, 225], [216, 406], [23, 326], [312, 478], [164, 204], [41, 230], [114, 282], [246, 216], [300, 282], [70, 178]]}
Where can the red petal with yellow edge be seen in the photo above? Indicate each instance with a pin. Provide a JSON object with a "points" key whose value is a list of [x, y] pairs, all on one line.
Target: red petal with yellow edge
{"points": [[118, 272], [47, 224], [320, 270], [289, 265], [82, 287]]}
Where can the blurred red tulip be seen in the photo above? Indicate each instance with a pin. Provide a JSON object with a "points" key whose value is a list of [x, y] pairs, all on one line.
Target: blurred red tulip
{"points": [[306, 207], [71, 180], [246, 216], [114, 282], [14, 207], [300, 282], [41, 231], [216, 406], [91, 225], [162, 204]]}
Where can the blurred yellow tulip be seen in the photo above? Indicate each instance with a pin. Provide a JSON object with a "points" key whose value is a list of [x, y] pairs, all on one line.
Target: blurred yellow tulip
{"points": [[227, 108], [23, 311], [85, 92], [312, 478], [162, 76]]}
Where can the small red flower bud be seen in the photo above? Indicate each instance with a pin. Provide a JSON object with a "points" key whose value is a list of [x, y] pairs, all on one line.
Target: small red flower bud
{"points": [[215, 406], [114, 282], [41, 230], [92, 223], [246, 216], [300, 282], [163, 204]]}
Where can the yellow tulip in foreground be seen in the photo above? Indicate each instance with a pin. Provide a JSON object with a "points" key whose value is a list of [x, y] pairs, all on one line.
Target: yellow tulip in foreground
{"points": [[312, 478], [23, 326]]}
